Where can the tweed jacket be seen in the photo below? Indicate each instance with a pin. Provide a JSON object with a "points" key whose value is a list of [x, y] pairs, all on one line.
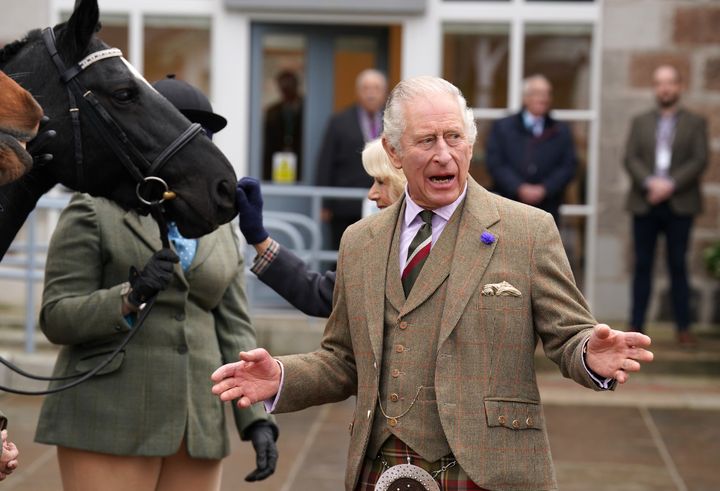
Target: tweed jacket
{"points": [[308, 291], [485, 380], [340, 160], [689, 159], [157, 391]]}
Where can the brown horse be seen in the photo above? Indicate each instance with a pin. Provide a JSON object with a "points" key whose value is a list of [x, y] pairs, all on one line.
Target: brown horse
{"points": [[19, 119]]}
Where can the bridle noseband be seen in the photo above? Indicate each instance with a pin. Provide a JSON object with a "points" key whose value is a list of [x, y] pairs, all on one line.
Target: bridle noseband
{"points": [[134, 161]]}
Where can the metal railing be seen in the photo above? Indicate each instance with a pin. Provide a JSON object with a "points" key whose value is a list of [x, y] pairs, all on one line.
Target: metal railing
{"points": [[25, 260]]}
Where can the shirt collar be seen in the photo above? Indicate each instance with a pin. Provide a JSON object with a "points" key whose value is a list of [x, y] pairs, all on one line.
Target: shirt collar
{"points": [[530, 119], [412, 210]]}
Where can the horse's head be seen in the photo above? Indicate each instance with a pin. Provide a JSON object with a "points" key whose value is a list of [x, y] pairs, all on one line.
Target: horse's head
{"points": [[119, 112], [19, 119]]}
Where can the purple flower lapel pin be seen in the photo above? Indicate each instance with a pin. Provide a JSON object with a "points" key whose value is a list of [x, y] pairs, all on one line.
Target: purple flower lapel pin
{"points": [[487, 238]]}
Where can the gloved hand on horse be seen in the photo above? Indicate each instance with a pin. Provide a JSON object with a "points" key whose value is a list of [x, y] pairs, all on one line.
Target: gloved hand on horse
{"points": [[263, 435], [154, 277], [37, 144], [249, 202]]}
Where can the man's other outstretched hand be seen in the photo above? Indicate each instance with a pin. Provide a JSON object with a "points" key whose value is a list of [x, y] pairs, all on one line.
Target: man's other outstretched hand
{"points": [[613, 354]]}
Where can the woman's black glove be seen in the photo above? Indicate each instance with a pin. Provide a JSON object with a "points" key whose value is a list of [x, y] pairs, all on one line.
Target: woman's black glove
{"points": [[36, 145], [263, 435], [155, 276]]}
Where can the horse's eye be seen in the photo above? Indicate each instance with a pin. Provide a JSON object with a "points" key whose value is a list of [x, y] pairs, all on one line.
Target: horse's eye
{"points": [[124, 95]]}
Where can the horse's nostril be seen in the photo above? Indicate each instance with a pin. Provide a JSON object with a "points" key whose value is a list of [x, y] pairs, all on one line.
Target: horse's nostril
{"points": [[225, 193]]}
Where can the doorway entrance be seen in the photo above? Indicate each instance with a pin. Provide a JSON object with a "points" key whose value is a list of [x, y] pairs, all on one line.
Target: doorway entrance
{"points": [[323, 61]]}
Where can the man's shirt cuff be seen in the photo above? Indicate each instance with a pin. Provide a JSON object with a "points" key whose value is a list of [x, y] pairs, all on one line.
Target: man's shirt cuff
{"points": [[270, 403], [263, 261], [603, 383]]}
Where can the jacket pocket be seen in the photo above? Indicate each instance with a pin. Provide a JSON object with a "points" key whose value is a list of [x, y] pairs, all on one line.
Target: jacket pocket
{"points": [[92, 360], [514, 414]]}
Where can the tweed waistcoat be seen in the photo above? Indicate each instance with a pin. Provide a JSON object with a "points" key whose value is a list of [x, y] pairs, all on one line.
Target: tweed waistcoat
{"points": [[409, 354]]}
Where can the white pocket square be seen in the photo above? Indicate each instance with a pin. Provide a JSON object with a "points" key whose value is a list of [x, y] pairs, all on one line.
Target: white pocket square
{"points": [[502, 289]]}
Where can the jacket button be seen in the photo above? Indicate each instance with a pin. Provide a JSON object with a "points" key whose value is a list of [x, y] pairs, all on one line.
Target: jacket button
{"points": [[502, 419], [516, 424], [403, 325], [180, 316], [394, 397], [392, 422], [529, 421], [399, 348], [182, 349], [395, 373]]}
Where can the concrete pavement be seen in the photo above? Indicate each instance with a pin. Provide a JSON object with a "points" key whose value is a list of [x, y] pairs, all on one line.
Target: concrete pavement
{"points": [[659, 432]]}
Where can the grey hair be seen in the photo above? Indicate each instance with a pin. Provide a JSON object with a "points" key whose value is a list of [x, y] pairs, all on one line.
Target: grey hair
{"points": [[421, 87], [367, 73], [533, 78]]}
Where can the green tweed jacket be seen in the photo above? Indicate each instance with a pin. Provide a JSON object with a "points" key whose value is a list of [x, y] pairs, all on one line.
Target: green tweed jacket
{"points": [[689, 159], [485, 380], [157, 391]]}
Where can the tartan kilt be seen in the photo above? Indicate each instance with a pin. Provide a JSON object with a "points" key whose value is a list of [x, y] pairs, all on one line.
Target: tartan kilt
{"points": [[396, 452]]}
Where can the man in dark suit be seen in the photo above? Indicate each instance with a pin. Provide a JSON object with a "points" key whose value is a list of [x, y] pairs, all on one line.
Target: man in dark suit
{"points": [[283, 125], [340, 162], [665, 155], [530, 155]]}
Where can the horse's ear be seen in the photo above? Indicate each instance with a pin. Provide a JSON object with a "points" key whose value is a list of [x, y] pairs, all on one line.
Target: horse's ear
{"points": [[81, 26]]}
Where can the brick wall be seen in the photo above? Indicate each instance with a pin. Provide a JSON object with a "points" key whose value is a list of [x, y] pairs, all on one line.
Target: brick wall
{"points": [[638, 35]]}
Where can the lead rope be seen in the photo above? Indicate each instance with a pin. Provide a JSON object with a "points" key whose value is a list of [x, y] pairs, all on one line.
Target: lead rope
{"points": [[156, 211]]}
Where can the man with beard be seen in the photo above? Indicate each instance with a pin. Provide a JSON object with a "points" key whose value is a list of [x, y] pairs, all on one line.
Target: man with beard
{"points": [[665, 155]]}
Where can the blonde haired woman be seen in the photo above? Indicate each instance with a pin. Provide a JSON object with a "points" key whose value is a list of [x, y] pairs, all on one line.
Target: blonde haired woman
{"points": [[280, 269], [388, 182]]}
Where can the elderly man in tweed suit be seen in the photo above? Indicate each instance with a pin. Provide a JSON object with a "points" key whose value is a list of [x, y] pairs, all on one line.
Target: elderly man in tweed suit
{"points": [[442, 366]]}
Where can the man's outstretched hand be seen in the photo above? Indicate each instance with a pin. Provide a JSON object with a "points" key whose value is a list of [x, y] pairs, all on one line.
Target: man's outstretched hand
{"points": [[255, 378], [612, 353]]}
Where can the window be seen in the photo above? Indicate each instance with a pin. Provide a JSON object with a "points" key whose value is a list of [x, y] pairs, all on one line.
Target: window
{"points": [[475, 59], [562, 54], [178, 45]]}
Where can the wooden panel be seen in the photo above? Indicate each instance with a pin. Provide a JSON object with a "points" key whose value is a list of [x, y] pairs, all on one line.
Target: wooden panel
{"points": [[348, 65]]}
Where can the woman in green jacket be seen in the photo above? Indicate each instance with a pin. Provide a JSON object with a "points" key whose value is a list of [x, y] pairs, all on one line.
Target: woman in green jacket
{"points": [[148, 421]]}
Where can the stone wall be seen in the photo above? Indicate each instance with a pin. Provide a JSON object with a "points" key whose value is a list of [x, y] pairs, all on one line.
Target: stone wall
{"points": [[638, 35]]}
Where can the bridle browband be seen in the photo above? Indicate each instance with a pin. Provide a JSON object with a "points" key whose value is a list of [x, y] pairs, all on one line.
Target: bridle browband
{"points": [[134, 161]]}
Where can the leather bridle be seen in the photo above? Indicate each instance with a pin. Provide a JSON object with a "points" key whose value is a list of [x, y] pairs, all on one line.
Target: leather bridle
{"points": [[141, 169]]}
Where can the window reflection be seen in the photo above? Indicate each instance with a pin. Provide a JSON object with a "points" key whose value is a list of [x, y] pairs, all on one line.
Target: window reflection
{"points": [[178, 45], [283, 73], [562, 54], [475, 59]]}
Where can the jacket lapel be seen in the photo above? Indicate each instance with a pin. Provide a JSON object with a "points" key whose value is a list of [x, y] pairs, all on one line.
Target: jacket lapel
{"points": [[681, 135], [376, 265], [144, 228], [205, 246], [471, 256]]}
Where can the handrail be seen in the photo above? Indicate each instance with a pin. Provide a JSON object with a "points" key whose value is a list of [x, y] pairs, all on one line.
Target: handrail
{"points": [[25, 260]]}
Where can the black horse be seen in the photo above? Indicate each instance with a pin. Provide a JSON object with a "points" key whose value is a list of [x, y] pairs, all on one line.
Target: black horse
{"points": [[112, 129]]}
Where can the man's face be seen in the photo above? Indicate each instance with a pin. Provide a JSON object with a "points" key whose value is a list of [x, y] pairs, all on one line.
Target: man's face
{"points": [[434, 151], [371, 93], [667, 87], [538, 97]]}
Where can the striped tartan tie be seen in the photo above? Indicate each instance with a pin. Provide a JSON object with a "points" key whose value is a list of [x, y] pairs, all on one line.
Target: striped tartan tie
{"points": [[418, 252]]}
